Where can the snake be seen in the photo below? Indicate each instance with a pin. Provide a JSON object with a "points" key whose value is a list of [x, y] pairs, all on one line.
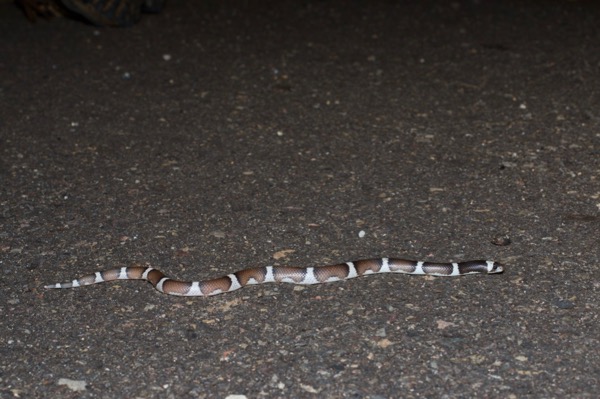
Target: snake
{"points": [[283, 274]]}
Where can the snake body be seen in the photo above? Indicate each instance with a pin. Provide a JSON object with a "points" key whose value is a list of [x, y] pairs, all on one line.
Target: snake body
{"points": [[284, 274]]}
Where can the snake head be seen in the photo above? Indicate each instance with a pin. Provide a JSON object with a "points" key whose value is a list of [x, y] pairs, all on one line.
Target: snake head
{"points": [[494, 267], [479, 266]]}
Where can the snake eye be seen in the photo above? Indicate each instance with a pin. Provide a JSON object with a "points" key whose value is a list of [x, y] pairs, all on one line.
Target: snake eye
{"points": [[495, 267]]}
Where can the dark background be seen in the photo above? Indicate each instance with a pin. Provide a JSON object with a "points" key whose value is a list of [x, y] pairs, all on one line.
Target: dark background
{"points": [[216, 134]]}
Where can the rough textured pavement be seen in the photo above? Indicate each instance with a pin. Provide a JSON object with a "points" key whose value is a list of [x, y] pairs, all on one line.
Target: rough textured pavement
{"points": [[221, 135]]}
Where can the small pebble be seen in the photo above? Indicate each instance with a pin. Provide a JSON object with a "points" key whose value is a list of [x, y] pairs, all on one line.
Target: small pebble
{"points": [[564, 304], [501, 241], [73, 385]]}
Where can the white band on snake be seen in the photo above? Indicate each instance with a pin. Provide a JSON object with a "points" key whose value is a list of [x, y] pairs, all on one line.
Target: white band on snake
{"points": [[284, 274]]}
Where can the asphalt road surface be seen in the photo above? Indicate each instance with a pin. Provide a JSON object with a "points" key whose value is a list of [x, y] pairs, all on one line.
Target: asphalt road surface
{"points": [[219, 135]]}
